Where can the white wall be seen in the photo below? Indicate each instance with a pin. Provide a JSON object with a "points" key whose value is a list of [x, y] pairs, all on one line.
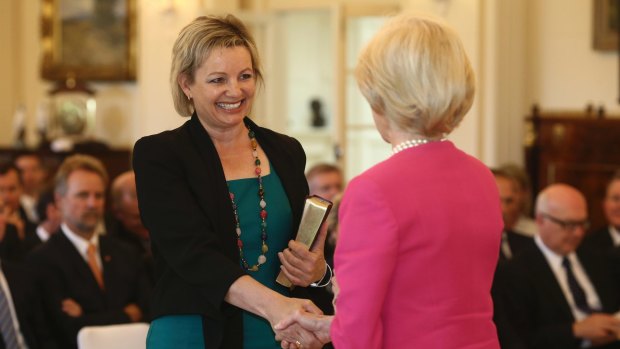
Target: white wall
{"points": [[564, 71]]}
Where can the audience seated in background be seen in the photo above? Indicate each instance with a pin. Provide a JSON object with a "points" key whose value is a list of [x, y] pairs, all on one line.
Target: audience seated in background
{"points": [[11, 191], [10, 244], [519, 220], [553, 296], [608, 237], [89, 279], [50, 220], [510, 195], [26, 326], [325, 180], [128, 225], [33, 177]]}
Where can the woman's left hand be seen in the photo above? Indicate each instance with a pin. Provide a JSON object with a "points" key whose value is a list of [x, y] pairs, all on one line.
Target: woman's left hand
{"points": [[302, 266]]}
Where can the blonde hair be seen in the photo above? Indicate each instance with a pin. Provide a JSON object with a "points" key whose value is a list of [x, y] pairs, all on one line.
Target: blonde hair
{"points": [[416, 73], [74, 163], [196, 42]]}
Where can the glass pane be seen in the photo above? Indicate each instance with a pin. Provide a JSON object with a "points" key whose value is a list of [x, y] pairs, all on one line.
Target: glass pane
{"points": [[308, 66], [364, 145]]}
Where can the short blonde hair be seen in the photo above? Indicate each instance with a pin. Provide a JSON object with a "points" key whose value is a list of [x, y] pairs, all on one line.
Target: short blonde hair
{"points": [[196, 42], [74, 163], [416, 73]]}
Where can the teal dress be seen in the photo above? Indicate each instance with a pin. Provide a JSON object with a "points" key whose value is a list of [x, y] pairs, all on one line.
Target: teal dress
{"points": [[185, 331]]}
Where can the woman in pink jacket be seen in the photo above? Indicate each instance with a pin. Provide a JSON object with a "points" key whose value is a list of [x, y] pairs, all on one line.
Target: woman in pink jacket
{"points": [[419, 232]]}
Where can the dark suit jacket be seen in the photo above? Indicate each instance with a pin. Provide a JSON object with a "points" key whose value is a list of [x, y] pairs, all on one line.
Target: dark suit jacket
{"points": [[518, 243], [11, 247], [28, 306], [598, 240], [185, 205], [63, 273], [536, 306]]}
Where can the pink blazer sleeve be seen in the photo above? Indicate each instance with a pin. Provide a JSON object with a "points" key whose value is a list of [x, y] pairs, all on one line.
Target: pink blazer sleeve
{"points": [[365, 258]]}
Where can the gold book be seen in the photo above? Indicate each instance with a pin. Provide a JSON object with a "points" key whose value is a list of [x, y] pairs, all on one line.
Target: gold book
{"points": [[315, 212]]}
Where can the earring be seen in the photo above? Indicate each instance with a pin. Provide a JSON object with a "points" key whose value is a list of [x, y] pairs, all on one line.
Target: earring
{"points": [[189, 98]]}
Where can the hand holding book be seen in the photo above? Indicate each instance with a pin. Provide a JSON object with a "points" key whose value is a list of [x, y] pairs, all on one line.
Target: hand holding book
{"points": [[303, 262]]}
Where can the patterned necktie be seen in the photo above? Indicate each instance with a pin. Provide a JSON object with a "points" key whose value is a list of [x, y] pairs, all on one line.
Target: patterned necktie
{"points": [[94, 266], [579, 296], [7, 327]]}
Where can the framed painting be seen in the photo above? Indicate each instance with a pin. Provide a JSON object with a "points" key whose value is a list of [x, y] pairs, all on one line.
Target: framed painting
{"points": [[606, 24], [89, 39]]}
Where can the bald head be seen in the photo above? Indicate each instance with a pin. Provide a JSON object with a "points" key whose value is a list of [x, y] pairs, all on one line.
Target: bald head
{"points": [[561, 217], [125, 204]]}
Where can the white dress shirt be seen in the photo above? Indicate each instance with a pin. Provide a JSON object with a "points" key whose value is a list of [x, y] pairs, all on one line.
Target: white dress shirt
{"points": [[43, 234], [555, 262], [81, 244], [615, 235]]}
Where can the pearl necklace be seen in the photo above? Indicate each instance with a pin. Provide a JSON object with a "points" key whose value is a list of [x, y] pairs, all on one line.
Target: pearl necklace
{"points": [[412, 143], [263, 213]]}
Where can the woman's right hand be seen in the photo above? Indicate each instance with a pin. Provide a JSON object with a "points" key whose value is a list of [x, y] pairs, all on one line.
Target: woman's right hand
{"points": [[287, 308], [318, 325]]}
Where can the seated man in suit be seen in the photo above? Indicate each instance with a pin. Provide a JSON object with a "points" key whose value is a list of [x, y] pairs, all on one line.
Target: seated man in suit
{"points": [[511, 199], [325, 180], [128, 225], [89, 279], [10, 245], [21, 306], [553, 297], [33, 177], [50, 220], [11, 190], [606, 238]]}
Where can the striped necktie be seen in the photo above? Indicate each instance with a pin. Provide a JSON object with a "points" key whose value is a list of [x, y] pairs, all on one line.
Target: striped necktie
{"points": [[7, 326]]}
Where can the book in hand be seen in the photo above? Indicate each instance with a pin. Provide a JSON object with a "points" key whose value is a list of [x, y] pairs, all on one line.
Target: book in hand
{"points": [[315, 212]]}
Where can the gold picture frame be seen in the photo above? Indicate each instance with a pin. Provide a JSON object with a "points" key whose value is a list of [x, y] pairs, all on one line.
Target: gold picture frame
{"points": [[606, 23], [89, 39]]}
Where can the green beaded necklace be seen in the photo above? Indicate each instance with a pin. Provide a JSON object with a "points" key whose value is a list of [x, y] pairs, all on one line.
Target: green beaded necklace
{"points": [[263, 213]]}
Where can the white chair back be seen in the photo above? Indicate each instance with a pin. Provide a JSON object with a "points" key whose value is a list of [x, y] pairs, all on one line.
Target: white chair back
{"points": [[125, 336]]}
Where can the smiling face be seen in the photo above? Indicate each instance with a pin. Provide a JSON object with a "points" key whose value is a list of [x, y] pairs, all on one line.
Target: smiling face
{"points": [[223, 87]]}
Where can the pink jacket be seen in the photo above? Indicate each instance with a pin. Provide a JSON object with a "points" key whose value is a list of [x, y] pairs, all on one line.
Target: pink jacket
{"points": [[418, 244]]}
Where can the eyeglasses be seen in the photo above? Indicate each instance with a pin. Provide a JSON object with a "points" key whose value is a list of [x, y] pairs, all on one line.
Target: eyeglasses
{"points": [[567, 225]]}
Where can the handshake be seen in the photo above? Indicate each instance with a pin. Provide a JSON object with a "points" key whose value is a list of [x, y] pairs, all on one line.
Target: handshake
{"points": [[304, 325], [304, 329]]}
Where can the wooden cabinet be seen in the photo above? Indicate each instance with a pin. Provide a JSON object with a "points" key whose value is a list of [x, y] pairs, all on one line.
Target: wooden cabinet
{"points": [[573, 148]]}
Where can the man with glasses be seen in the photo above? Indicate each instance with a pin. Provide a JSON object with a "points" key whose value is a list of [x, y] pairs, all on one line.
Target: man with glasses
{"points": [[554, 297]]}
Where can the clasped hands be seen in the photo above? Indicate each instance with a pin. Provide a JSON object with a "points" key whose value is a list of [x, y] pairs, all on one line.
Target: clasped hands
{"points": [[303, 329]]}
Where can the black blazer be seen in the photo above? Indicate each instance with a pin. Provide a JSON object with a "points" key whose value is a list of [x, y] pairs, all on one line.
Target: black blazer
{"points": [[28, 305], [536, 306], [185, 205], [598, 240], [63, 273]]}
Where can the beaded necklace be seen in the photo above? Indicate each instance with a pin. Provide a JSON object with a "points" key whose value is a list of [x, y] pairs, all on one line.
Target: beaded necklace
{"points": [[263, 213]]}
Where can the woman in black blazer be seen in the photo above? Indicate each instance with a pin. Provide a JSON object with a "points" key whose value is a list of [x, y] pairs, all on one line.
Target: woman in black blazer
{"points": [[221, 197]]}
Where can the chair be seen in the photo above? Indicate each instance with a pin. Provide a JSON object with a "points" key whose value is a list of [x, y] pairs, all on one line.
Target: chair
{"points": [[126, 336]]}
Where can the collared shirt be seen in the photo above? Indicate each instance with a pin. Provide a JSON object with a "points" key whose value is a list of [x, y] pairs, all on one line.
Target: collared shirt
{"points": [[43, 234], [30, 207], [81, 244], [615, 235], [555, 262], [7, 291], [525, 226]]}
